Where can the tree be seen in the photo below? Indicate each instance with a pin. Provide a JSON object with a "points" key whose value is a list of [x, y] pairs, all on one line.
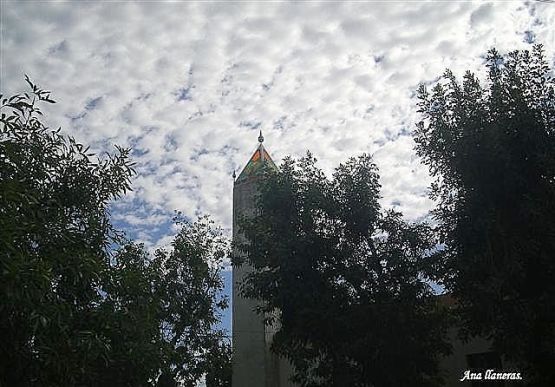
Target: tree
{"points": [[80, 304], [55, 234], [190, 289], [219, 374], [344, 280], [491, 149], [163, 311]]}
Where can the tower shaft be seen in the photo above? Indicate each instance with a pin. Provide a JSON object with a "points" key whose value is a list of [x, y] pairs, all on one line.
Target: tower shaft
{"points": [[254, 365]]}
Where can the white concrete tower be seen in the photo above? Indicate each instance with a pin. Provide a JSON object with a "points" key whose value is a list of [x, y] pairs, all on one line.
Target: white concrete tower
{"points": [[254, 365]]}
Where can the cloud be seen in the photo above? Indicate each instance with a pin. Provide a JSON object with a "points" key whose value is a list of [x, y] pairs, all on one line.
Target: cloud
{"points": [[188, 86]]}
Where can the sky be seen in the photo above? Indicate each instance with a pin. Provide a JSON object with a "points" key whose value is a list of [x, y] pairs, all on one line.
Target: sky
{"points": [[188, 86]]}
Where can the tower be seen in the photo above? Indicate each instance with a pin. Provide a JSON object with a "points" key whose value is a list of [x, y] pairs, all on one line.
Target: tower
{"points": [[254, 365]]}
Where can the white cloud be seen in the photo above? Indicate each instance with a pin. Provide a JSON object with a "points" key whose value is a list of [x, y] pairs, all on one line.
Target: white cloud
{"points": [[186, 84]]}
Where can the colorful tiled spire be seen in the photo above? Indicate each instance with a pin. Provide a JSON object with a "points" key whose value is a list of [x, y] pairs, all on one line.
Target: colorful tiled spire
{"points": [[259, 159]]}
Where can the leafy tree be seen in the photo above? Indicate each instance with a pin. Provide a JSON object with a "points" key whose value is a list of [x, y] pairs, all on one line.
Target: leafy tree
{"points": [[219, 374], [160, 311], [190, 288], [344, 280], [79, 304], [55, 234], [491, 148]]}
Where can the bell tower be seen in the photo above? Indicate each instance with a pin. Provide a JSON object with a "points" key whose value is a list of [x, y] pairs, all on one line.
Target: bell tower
{"points": [[253, 364]]}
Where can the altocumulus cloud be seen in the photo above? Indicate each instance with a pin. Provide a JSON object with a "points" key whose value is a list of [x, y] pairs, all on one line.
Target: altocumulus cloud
{"points": [[188, 85]]}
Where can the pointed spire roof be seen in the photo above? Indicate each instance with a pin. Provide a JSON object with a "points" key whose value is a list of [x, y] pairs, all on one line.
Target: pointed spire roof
{"points": [[257, 162]]}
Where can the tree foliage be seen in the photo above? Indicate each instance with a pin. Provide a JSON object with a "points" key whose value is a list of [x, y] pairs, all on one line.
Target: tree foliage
{"points": [[163, 311], [79, 304], [491, 148], [344, 280], [219, 374], [190, 297]]}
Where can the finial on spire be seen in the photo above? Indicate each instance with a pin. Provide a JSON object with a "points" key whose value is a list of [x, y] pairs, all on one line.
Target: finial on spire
{"points": [[261, 138], [234, 174]]}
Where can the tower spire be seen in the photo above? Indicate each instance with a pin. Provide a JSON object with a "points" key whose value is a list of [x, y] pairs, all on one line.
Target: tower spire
{"points": [[259, 159]]}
